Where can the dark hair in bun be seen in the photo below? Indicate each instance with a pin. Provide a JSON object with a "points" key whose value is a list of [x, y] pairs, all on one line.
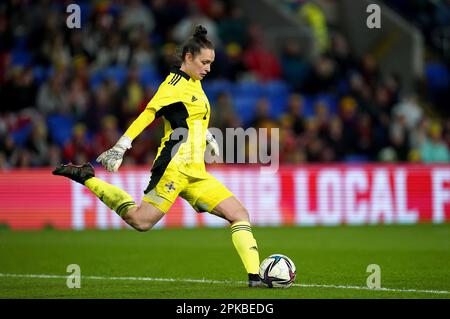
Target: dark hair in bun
{"points": [[200, 33], [197, 42]]}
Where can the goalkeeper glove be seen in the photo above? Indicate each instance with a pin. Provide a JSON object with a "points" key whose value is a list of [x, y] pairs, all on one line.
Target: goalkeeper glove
{"points": [[112, 158], [212, 141]]}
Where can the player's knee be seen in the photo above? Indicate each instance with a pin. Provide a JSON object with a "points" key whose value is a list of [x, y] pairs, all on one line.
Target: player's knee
{"points": [[143, 226], [137, 223], [239, 215]]}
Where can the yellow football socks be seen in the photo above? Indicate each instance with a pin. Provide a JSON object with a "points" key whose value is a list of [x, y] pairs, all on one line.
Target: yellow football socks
{"points": [[113, 197], [245, 244]]}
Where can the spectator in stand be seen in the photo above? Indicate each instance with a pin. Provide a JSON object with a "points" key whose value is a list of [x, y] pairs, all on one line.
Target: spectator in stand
{"points": [[102, 105], [348, 112], [138, 16], [312, 13], [365, 145], [399, 137], [288, 140], [166, 15], [19, 91], [223, 114], [142, 53], [131, 95], [433, 149], [78, 97], [233, 27], [109, 133], [38, 144], [321, 114], [335, 138], [52, 96], [114, 52], [262, 118], [10, 150], [56, 51], [234, 68], [408, 108], [294, 67], [294, 114], [322, 78], [340, 52], [259, 59], [79, 148], [183, 29]]}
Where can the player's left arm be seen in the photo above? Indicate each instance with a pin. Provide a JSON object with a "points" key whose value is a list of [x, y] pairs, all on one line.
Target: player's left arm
{"points": [[112, 158]]}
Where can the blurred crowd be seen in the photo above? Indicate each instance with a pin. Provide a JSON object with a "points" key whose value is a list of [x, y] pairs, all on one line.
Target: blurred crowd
{"points": [[52, 110]]}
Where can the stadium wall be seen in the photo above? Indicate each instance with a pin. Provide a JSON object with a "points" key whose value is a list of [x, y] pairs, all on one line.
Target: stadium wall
{"points": [[296, 195]]}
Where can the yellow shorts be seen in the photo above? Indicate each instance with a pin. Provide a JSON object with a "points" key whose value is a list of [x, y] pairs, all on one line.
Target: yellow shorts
{"points": [[202, 194]]}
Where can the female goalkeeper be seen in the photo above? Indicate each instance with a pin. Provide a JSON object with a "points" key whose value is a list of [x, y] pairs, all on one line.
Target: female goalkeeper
{"points": [[179, 168]]}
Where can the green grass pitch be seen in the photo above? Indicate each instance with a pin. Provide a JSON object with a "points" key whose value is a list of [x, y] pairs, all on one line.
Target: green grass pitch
{"points": [[202, 263]]}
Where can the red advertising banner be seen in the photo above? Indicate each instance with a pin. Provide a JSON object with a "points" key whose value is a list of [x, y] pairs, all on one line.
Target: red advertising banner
{"points": [[295, 195]]}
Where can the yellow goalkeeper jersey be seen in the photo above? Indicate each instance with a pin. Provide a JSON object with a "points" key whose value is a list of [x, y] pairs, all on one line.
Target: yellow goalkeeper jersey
{"points": [[183, 104]]}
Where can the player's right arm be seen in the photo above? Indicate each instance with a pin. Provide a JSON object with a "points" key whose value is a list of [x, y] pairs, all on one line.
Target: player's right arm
{"points": [[112, 158]]}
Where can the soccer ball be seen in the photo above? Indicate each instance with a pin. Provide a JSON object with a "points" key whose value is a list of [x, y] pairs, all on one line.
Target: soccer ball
{"points": [[277, 271]]}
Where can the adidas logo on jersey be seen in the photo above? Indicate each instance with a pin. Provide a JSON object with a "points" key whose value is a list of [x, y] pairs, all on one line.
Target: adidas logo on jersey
{"points": [[193, 98]]}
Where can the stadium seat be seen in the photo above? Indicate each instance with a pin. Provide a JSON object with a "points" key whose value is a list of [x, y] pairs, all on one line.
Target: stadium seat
{"points": [[116, 73], [213, 88], [308, 106], [20, 57], [20, 136], [356, 158], [248, 88], [245, 107], [330, 100], [149, 76], [60, 128], [96, 79], [278, 104], [41, 74], [438, 77], [273, 88]]}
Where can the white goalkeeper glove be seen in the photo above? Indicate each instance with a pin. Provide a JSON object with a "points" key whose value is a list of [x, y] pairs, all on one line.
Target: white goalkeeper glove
{"points": [[112, 158], [212, 141]]}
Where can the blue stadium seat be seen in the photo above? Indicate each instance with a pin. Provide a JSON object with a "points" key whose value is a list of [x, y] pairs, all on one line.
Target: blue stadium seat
{"points": [[85, 8], [20, 57], [438, 76], [213, 88], [248, 88], [41, 74], [20, 136], [96, 79], [276, 88], [308, 106], [60, 128], [356, 158], [149, 76], [330, 100], [245, 107], [21, 42], [278, 104], [117, 73]]}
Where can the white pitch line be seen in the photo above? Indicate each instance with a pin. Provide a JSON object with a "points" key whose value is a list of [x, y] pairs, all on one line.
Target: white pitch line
{"points": [[207, 281]]}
